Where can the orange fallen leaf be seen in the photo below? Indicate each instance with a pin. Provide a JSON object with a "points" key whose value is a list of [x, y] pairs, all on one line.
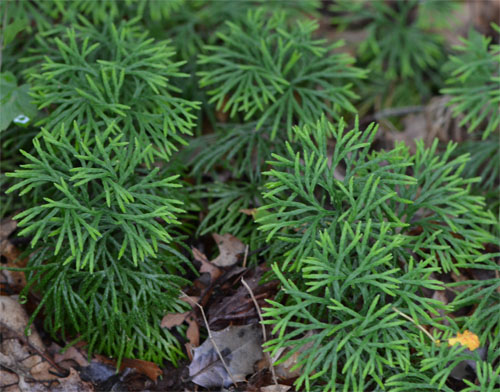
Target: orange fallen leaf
{"points": [[149, 369], [467, 339]]}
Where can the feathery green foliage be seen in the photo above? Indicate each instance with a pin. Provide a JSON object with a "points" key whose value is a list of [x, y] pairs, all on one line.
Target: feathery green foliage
{"points": [[356, 237], [474, 86], [306, 195], [288, 78], [106, 224], [361, 243], [397, 43], [267, 70], [91, 195], [113, 75], [474, 83]]}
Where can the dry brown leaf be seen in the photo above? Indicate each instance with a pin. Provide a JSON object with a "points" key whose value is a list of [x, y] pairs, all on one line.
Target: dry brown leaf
{"points": [[240, 346], [14, 279], [71, 354], [230, 248], [206, 266], [193, 332], [73, 383], [275, 388], [284, 370], [149, 369], [249, 211], [173, 319], [14, 317]]}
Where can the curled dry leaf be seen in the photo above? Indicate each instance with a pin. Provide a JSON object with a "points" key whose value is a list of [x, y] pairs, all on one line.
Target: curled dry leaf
{"points": [[240, 347], [15, 280], [193, 332], [206, 266], [149, 369], [230, 248]]}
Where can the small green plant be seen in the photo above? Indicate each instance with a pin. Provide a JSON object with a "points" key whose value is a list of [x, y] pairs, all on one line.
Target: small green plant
{"points": [[111, 260], [287, 78], [361, 244], [112, 75], [110, 255], [473, 83], [401, 49], [98, 105]]}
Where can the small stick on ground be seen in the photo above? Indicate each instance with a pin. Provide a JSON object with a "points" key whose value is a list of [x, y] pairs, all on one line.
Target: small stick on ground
{"points": [[211, 337], [268, 357], [245, 257], [414, 322]]}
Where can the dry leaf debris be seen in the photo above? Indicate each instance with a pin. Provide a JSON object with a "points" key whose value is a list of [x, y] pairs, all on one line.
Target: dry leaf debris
{"points": [[240, 347]]}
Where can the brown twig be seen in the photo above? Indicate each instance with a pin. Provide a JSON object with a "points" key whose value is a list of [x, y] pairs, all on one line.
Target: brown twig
{"points": [[211, 338], [245, 257], [414, 322], [264, 337]]}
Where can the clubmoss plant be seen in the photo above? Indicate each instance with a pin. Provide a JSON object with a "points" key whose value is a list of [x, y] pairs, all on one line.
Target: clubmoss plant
{"points": [[107, 267], [355, 246], [474, 87], [266, 75], [107, 259], [112, 75], [402, 48]]}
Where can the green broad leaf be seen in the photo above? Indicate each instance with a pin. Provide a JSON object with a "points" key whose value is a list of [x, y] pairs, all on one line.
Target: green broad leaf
{"points": [[15, 102]]}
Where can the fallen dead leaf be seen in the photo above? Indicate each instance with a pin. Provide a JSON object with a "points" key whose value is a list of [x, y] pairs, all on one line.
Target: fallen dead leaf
{"points": [[14, 280], [173, 319], [193, 332], [230, 248], [149, 369], [284, 370], [467, 339], [14, 317], [275, 388], [72, 354], [206, 266], [249, 211], [73, 383], [240, 346]]}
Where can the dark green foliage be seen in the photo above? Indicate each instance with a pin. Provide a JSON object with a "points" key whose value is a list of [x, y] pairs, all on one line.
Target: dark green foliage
{"points": [[118, 308], [269, 71], [398, 42], [402, 48], [115, 75], [474, 86], [306, 195], [101, 227], [474, 83], [109, 191], [365, 230], [95, 198], [287, 78]]}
